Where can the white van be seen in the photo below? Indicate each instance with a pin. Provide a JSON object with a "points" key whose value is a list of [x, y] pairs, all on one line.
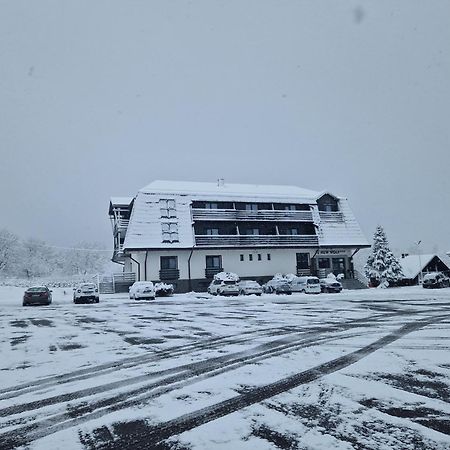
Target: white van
{"points": [[309, 285]]}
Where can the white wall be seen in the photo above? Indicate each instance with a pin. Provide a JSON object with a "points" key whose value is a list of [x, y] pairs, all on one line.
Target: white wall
{"points": [[282, 260]]}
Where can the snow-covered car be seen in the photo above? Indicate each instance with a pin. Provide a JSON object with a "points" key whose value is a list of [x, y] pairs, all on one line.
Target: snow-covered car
{"points": [[248, 287], [330, 285], [86, 293], [142, 289], [37, 295], [277, 286], [308, 285], [163, 289], [223, 287], [435, 280]]}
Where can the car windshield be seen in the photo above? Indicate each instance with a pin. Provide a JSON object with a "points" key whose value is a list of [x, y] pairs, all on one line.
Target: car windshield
{"points": [[87, 286], [37, 289], [313, 281]]}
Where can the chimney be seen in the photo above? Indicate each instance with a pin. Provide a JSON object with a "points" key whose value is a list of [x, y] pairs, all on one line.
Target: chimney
{"points": [[220, 182]]}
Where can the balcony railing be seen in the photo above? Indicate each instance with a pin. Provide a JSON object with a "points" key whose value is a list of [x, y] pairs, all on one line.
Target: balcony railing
{"points": [[118, 253], [331, 216], [211, 271], [256, 240], [169, 274], [262, 215], [121, 225]]}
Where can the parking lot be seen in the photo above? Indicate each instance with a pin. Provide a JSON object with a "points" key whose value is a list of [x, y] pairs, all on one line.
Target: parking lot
{"points": [[360, 369]]}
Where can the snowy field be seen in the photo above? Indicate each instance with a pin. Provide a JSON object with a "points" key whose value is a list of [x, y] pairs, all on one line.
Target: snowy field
{"points": [[357, 370]]}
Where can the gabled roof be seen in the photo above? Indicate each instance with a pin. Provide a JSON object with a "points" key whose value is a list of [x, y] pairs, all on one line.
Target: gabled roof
{"points": [[121, 201], [412, 265], [218, 190]]}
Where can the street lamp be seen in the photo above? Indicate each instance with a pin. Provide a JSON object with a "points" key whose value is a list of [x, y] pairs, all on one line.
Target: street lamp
{"points": [[420, 264]]}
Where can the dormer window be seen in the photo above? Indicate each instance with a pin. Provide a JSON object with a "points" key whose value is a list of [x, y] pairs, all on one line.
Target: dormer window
{"points": [[169, 232], [168, 208], [328, 203]]}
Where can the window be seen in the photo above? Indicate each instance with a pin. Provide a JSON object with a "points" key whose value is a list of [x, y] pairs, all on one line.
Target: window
{"points": [[250, 257], [169, 262], [289, 207], [252, 231], [241, 257], [269, 257], [293, 231], [169, 232], [302, 260], [259, 257], [168, 208], [251, 207], [213, 261], [324, 263], [212, 231], [210, 205]]}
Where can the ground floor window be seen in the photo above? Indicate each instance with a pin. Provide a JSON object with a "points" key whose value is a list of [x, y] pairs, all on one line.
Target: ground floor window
{"points": [[169, 262], [302, 260], [213, 261], [324, 263]]}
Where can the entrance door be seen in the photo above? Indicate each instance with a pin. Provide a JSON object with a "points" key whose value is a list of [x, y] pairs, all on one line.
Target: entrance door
{"points": [[338, 265]]}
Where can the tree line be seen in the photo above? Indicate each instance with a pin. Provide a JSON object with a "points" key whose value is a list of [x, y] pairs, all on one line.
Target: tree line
{"points": [[31, 258]]}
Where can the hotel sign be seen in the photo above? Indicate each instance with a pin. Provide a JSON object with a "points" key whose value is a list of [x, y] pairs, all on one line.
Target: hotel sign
{"points": [[333, 251]]}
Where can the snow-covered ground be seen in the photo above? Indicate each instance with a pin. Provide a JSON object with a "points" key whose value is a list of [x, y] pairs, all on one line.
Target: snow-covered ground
{"points": [[361, 369]]}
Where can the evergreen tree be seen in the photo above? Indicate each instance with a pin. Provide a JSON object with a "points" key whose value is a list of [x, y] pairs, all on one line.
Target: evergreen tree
{"points": [[382, 266]]}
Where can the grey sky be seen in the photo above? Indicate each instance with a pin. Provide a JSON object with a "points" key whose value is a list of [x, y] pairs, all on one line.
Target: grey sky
{"points": [[99, 98]]}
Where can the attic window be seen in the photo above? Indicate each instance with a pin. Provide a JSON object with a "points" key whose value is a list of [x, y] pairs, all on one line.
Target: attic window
{"points": [[168, 208], [328, 203], [169, 232]]}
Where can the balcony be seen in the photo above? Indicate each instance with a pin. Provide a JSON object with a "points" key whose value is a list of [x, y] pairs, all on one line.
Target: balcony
{"points": [[328, 216], [262, 215], [121, 225], [118, 253], [169, 274], [211, 271], [256, 241]]}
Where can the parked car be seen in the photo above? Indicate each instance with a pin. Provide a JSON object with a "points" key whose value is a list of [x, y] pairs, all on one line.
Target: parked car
{"points": [[37, 295], [86, 293], [277, 286], [435, 280], [330, 285], [223, 287], [142, 289], [163, 289], [308, 285], [248, 287]]}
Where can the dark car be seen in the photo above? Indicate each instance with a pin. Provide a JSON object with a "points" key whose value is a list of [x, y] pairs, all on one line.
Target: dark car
{"points": [[435, 280], [330, 285], [37, 295], [277, 286]]}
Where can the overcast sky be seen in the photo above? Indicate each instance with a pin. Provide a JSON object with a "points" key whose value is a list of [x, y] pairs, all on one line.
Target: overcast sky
{"points": [[99, 98]]}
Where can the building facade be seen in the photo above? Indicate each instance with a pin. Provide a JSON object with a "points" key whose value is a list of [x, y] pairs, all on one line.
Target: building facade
{"points": [[184, 233]]}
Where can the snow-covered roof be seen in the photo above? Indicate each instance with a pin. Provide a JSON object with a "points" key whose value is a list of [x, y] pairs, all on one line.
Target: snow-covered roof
{"points": [[412, 265], [121, 201], [226, 190], [145, 228]]}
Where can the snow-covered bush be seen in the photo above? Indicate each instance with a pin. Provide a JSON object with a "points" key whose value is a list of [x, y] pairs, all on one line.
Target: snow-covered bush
{"points": [[226, 276]]}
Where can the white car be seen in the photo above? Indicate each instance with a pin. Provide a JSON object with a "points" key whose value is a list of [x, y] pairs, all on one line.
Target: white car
{"points": [[330, 285], [221, 287], [248, 287], [142, 289], [86, 293], [308, 285]]}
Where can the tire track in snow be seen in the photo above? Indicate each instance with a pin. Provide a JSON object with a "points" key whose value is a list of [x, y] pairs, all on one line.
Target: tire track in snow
{"points": [[135, 361], [189, 374], [137, 437]]}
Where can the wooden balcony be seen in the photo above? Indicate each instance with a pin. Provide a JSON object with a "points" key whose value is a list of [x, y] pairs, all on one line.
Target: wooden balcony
{"points": [[121, 225], [118, 254], [262, 215], [169, 274], [257, 241], [327, 216]]}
